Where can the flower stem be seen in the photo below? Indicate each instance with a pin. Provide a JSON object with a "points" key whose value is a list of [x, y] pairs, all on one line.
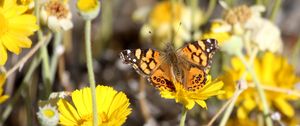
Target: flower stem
{"points": [[260, 90], [183, 116], [54, 59], [221, 110], [90, 69], [44, 52], [211, 8], [275, 9], [230, 106]]}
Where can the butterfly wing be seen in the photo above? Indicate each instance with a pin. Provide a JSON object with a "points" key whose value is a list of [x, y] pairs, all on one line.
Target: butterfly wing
{"points": [[162, 79], [148, 63], [199, 54]]}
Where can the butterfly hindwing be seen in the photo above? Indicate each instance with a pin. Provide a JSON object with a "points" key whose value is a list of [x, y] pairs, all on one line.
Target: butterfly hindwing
{"points": [[196, 79], [200, 52], [143, 61], [161, 79]]}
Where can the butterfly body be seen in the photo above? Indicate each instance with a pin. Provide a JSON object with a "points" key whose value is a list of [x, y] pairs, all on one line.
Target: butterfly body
{"points": [[187, 65]]}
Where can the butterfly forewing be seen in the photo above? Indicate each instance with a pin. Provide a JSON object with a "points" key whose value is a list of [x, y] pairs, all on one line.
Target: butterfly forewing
{"points": [[200, 52], [143, 61]]}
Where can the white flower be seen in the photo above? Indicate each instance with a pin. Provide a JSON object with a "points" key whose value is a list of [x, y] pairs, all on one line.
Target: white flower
{"points": [[48, 115], [57, 15], [264, 33]]}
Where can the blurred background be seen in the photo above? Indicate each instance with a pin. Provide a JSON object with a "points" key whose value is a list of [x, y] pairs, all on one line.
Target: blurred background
{"points": [[118, 27]]}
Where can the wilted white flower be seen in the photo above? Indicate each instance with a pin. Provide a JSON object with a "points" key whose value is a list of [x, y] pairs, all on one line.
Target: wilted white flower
{"points": [[264, 33], [48, 115], [57, 15]]}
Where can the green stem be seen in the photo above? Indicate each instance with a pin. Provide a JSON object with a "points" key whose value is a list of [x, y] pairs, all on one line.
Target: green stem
{"points": [[230, 106], [55, 57], [275, 10], [211, 8], [44, 52], [90, 69], [260, 90], [183, 116]]}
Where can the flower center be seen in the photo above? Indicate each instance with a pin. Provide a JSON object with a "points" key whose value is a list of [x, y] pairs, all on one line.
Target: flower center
{"points": [[57, 8], [3, 24], [89, 118], [49, 113]]}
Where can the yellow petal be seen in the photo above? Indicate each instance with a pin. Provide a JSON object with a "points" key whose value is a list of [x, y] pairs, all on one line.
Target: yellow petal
{"points": [[284, 107], [249, 104], [10, 44], [3, 54], [17, 24], [201, 103], [68, 114], [82, 101], [242, 113]]}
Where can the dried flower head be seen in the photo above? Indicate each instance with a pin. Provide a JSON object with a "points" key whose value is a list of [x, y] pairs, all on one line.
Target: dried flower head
{"points": [[239, 14], [56, 15]]}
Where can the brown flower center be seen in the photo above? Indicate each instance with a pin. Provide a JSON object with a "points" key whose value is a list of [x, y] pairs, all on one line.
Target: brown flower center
{"points": [[238, 14], [57, 8]]}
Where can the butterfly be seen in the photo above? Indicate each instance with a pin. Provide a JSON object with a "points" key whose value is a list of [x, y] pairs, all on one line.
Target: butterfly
{"points": [[188, 65]]}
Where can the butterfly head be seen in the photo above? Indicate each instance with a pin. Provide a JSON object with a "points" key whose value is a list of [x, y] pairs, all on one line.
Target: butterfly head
{"points": [[127, 56], [211, 45]]}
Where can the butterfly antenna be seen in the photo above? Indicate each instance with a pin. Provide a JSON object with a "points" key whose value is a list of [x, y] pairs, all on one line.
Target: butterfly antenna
{"points": [[173, 41]]}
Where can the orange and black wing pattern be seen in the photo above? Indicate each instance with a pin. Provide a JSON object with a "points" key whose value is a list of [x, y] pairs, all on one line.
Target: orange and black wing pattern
{"points": [[143, 61], [200, 53], [148, 63]]}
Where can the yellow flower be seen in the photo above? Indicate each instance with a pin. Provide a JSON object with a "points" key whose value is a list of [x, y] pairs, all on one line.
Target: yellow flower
{"points": [[89, 9], [29, 3], [2, 80], [15, 27], [218, 30], [112, 107], [273, 71], [162, 22], [188, 98]]}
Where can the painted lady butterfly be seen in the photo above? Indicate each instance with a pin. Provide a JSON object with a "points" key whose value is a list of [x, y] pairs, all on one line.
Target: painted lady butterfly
{"points": [[188, 65]]}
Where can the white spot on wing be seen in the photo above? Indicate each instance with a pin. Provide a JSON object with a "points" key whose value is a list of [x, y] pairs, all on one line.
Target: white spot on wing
{"points": [[207, 50], [134, 60], [128, 51], [208, 40]]}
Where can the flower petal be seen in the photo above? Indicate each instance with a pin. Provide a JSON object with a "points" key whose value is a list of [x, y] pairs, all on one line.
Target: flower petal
{"points": [[68, 114], [3, 54]]}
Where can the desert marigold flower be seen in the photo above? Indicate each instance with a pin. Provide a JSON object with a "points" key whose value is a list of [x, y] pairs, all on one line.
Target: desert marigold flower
{"points": [[15, 27], [28, 3], [57, 15], [219, 30], [272, 71], [112, 106], [89, 9], [2, 80], [162, 21], [189, 98], [48, 115]]}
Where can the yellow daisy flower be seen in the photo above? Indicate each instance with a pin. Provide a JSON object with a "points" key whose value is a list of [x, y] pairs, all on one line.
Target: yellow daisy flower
{"points": [[273, 71], [89, 9], [162, 22], [113, 107], [2, 80], [15, 26], [218, 30], [189, 98]]}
